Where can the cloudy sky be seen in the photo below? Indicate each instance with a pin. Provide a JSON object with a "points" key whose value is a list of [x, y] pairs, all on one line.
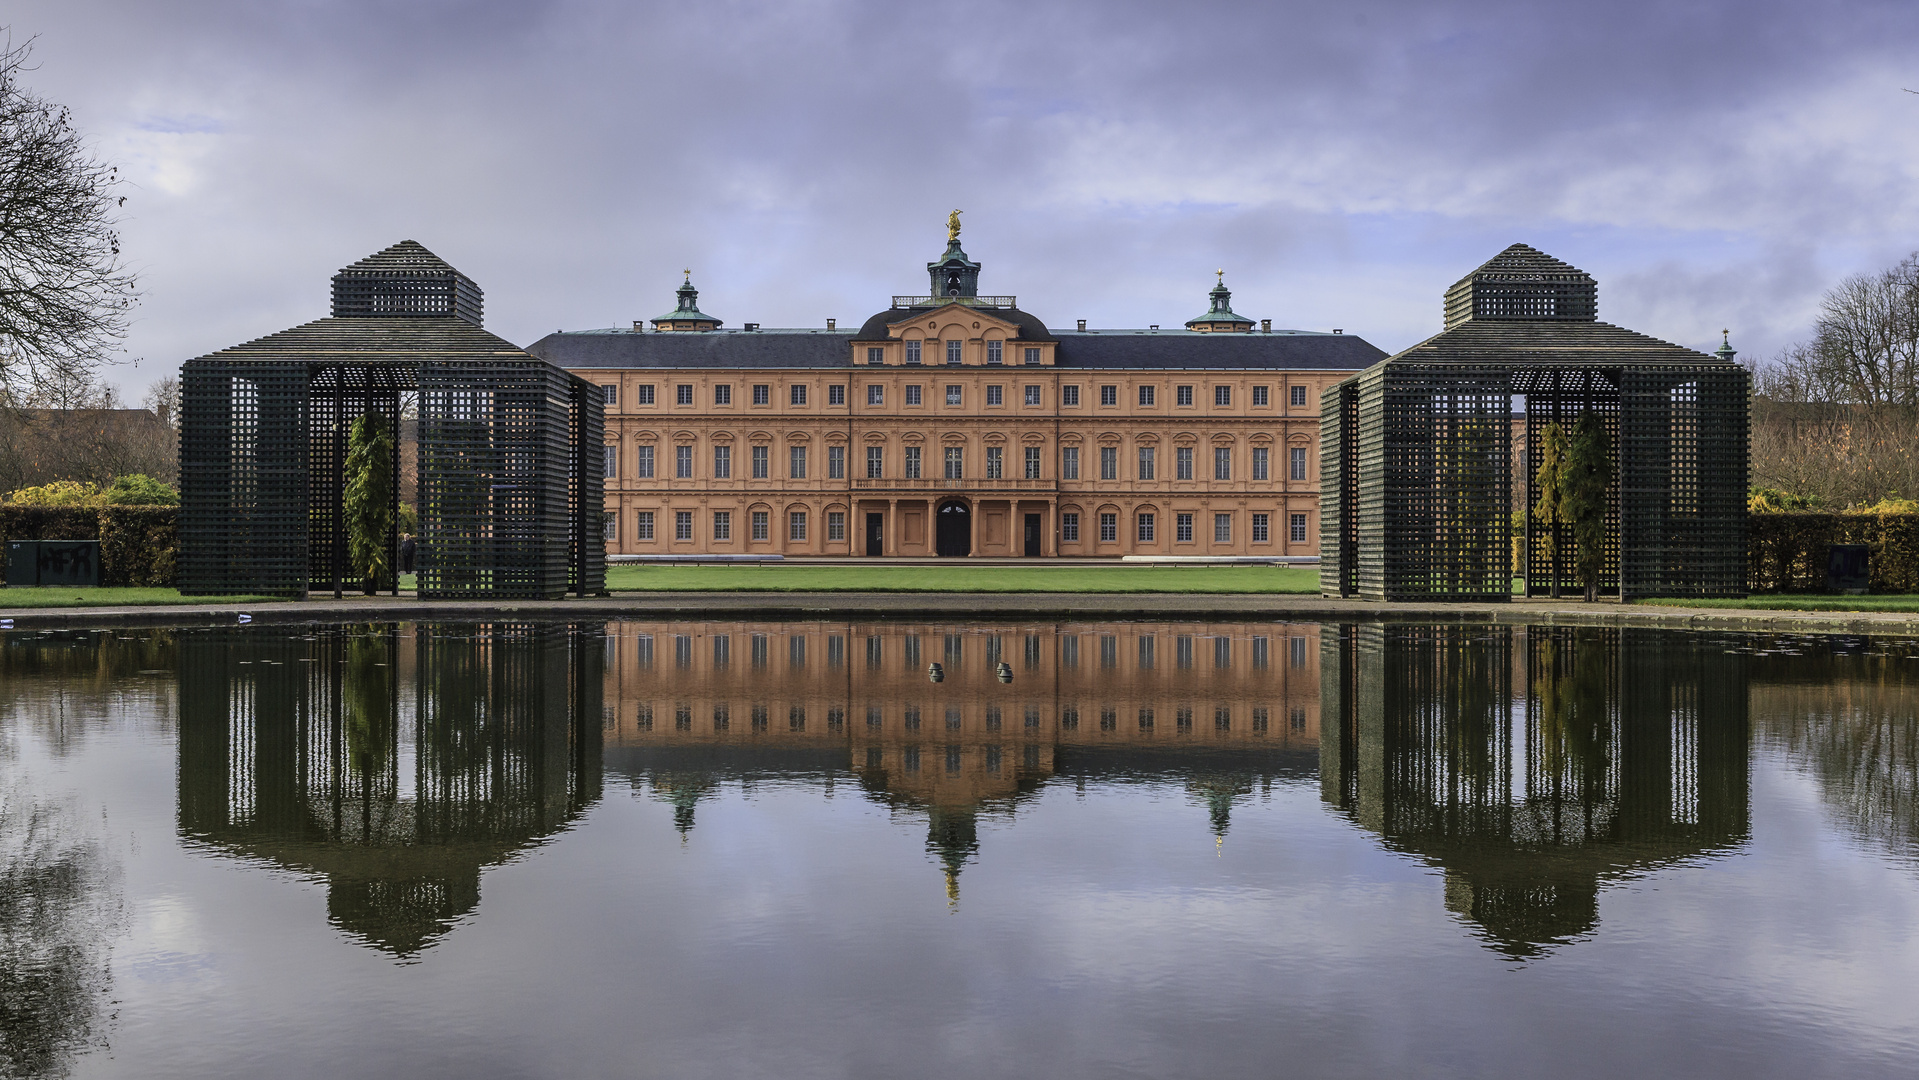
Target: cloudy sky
{"points": [[1712, 163]]}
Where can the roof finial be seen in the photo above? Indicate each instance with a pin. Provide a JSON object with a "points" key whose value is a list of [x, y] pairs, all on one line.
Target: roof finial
{"points": [[689, 275], [1221, 274], [952, 227]]}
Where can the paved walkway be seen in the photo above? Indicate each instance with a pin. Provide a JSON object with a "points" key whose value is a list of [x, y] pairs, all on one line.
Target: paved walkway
{"points": [[949, 606]]}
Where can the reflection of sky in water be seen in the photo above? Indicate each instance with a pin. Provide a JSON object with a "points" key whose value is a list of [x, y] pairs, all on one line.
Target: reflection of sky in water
{"points": [[1105, 923]]}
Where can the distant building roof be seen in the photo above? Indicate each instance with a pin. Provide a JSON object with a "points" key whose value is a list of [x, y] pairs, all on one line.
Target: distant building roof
{"points": [[377, 340]]}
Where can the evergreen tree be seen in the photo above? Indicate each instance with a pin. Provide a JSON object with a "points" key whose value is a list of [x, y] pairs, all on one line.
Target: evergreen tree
{"points": [[369, 498], [1585, 480], [1549, 492]]}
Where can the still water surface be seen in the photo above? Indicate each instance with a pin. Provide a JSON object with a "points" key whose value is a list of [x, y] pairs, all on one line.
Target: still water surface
{"points": [[1154, 850]]}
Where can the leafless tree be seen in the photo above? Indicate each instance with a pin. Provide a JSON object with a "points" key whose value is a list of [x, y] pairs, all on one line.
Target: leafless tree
{"points": [[64, 289], [163, 400]]}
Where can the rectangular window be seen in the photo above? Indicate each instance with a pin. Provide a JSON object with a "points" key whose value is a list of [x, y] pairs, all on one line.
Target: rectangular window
{"points": [[876, 355], [1260, 469], [1299, 395], [955, 463], [836, 395], [796, 462], [1222, 463], [1032, 358], [1296, 462], [1299, 528], [759, 525], [1032, 463], [610, 462], [913, 352], [995, 463], [760, 457], [1032, 395], [1262, 531], [1146, 462], [1069, 528], [1069, 463], [912, 463], [682, 524], [643, 395], [995, 352], [722, 525], [643, 468], [683, 462], [995, 395], [875, 394], [610, 528], [836, 524], [796, 529], [610, 394], [952, 395], [1109, 463], [1146, 528], [796, 395], [683, 394], [1222, 528], [722, 462], [762, 394], [1183, 463], [1146, 394], [836, 463], [1185, 395], [953, 350], [1259, 395], [1109, 395], [643, 525], [1069, 395], [1222, 396], [913, 395], [1183, 528], [722, 394], [1108, 528], [875, 462]]}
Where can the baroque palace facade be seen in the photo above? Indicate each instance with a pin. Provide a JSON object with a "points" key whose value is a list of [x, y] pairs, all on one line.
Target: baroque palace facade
{"points": [[955, 423]]}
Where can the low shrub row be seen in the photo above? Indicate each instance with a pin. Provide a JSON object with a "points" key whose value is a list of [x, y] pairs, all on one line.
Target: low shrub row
{"points": [[139, 545], [1787, 552]]}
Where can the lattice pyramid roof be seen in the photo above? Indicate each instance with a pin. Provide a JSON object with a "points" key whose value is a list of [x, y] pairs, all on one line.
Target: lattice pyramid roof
{"points": [[405, 281], [1523, 283]]}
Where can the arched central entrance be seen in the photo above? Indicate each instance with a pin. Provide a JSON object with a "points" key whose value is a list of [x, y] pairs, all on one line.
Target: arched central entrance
{"points": [[955, 536]]}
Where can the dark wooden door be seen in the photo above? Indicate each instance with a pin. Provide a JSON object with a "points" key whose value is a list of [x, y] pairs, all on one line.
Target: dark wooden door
{"points": [[1032, 536], [876, 535]]}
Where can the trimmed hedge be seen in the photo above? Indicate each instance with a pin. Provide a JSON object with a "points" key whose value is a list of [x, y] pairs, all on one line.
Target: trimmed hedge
{"points": [[139, 545], [1787, 552]]}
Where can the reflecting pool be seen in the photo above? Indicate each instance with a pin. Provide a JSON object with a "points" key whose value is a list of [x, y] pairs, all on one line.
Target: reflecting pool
{"points": [[845, 850]]}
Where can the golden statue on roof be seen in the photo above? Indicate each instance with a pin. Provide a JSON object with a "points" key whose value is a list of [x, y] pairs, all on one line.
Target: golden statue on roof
{"points": [[952, 227]]}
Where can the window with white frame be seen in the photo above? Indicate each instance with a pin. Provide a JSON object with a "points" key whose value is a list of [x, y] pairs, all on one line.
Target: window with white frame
{"points": [[1299, 395], [1262, 529], [796, 462], [611, 462], [1222, 463], [836, 524], [1032, 463], [796, 525], [1299, 528], [1069, 463], [952, 394], [760, 525], [1183, 463], [1222, 396], [836, 463], [1296, 462], [995, 395], [722, 462], [1145, 523], [761, 466], [836, 395], [610, 528], [1032, 395], [682, 462], [912, 463], [1108, 528], [1069, 527], [796, 395], [610, 393], [955, 463], [876, 355], [643, 463], [875, 394], [1222, 528], [1109, 463], [954, 351], [1261, 467], [1069, 395], [1183, 528], [1032, 357], [1259, 395], [913, 394], [683, 394], [1147, 394], [1146, 454], [995, 352], [995, 463], [643, 394], [762, 394], [1109, 395], [722, 394], [1183, 395], [643, 525], [875, 462], [682, 524], [913, 352], [722, 525]]}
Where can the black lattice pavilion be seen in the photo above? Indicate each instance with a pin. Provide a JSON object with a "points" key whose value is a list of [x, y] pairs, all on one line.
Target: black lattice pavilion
{"points": [[510, 472], [1417, 452]]}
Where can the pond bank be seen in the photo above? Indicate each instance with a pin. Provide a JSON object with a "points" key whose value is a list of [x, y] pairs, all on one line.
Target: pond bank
{"points": [[996, 606]]}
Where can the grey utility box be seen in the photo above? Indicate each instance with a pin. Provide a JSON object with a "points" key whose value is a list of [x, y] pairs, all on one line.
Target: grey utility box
{"points": [[74, 563]]}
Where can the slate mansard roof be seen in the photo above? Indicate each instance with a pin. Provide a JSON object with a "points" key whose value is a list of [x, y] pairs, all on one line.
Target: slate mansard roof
{"points": [[833, 349]]}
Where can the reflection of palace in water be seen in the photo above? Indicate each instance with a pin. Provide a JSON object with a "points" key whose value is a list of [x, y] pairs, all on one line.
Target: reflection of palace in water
{"points": [[1531, 764], [395, 763], [1220, 705]]}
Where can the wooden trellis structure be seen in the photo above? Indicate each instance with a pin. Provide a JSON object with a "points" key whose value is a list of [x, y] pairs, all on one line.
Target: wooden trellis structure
{"points": [[510, 480], [1418, 462]]}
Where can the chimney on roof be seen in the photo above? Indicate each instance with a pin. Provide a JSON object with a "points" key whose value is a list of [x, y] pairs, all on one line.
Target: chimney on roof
{"points": [[1265, 326], [1155, 326], [830, 323], [1082, 324], [752, 327], [1337, 330]]}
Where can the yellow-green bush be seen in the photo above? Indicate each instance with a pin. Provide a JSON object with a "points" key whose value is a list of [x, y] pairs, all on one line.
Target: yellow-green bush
{"points": [[1787, 552]]}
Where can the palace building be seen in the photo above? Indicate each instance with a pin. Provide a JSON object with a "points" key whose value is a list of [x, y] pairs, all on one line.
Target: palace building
{"points": [[955, 423]]}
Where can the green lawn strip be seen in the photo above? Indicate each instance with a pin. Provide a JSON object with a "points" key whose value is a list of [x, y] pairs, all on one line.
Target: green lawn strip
{"points": [[55, 597], [974, 579], [1901, 602]]}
